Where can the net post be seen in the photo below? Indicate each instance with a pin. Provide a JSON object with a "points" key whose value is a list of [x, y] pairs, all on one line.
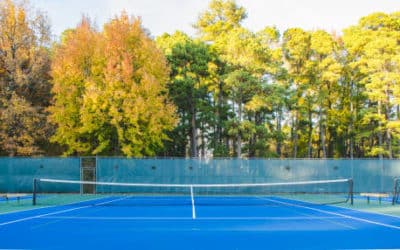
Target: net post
{"points": [[351, 191], [34, 191]]}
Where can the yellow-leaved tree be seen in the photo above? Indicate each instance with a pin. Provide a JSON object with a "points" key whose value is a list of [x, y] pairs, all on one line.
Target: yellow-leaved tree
{"points": [[113, 84], [24, 80]]}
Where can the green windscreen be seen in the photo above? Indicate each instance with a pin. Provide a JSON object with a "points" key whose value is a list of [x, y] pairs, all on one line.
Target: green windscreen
{"points": [[17, 174]]}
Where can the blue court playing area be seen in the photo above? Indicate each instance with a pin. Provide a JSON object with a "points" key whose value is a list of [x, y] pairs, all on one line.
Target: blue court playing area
{"points": [[218, 222], [183, 204]]}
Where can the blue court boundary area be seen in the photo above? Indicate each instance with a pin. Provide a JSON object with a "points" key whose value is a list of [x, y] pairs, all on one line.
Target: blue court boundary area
{"points": [[289, 224]]}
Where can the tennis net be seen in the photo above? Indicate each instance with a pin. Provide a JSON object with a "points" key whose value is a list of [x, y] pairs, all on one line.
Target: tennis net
{"points": [[50, 192]]}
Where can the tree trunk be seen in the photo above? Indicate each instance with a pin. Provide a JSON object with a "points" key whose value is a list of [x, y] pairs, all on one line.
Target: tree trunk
{"points": [[380, 139], [253, 137], [398, 118], [295, 135], [351, 146], [388, 137], [310, 127], [322, 135], [203, 142], [239, 136], [193, 140], [279, 132], [219, 118]]}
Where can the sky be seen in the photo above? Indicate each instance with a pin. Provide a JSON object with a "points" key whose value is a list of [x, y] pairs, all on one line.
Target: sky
{"points": [[159, 16]]}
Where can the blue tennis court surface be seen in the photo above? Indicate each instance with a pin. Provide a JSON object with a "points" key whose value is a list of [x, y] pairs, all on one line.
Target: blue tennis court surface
{"points": [[124, 223]]}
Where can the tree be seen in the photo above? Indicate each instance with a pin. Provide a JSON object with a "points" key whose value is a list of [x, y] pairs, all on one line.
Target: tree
{"points": [[247, 58], [326, 73], [267, 107], [190, 61], [115, 91], [24, 80], [241, 86], [378, 61], [296, 50], [214, 26], [219, 19], [354, 96], [71, 67]]}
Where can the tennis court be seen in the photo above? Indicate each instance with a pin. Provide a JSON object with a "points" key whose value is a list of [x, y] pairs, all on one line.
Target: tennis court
{"points": [[328, 213], [190, 222]]}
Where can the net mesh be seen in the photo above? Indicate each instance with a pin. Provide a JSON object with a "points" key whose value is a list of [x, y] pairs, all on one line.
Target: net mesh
{"points": [[46, 192]]}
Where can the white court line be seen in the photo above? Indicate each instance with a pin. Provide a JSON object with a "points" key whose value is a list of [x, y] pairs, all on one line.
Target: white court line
{"points": [[24, 210], [336, 214], [188, 218], [328, 219], [107, 202], [41, 215], [57, 212]]}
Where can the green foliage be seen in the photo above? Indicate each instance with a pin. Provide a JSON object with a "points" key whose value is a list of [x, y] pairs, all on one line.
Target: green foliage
{"points": [[189, 88]]}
